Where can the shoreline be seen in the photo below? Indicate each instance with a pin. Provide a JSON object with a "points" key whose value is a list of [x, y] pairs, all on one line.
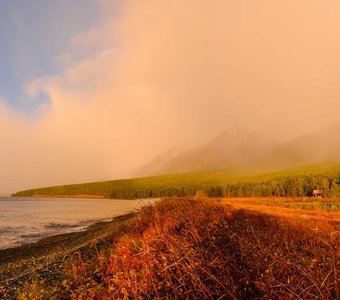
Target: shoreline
{"points": [[44, 259], [80, 196]]}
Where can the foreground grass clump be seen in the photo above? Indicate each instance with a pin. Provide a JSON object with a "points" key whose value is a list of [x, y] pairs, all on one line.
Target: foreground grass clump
{"points": [[197, 249]]}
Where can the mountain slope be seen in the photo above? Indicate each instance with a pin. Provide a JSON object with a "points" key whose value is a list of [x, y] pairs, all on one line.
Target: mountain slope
{"points": [[159, 162], [251, 151], [319, 146], [229, 150]]}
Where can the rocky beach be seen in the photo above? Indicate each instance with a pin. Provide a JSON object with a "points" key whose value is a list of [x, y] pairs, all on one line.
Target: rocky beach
{"points": [[44, 259]]}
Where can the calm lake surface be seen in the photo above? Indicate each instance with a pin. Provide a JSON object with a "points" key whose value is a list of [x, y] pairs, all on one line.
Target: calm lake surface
{"points": [[26, 220]]}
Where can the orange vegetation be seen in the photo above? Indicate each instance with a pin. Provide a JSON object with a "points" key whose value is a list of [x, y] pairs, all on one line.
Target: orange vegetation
{"points": [[317, 219], [201, 249]]}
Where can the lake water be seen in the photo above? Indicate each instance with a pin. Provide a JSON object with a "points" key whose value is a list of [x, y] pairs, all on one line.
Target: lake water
{"points": [[26, 220]]}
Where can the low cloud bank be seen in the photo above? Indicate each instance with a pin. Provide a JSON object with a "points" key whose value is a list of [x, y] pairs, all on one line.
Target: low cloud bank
{"points": [[164, 73]]}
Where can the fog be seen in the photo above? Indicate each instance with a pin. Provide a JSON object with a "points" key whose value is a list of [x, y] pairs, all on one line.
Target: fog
{"points": [[168, 73]]}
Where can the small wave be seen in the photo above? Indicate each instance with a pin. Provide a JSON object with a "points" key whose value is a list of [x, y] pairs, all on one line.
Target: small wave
{"points": [[31, 235], [60, 226], [4, 230], [93, 221]]}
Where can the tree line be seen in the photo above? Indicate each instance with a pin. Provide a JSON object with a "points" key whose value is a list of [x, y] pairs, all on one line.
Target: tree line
{"points": [[298, 182]]}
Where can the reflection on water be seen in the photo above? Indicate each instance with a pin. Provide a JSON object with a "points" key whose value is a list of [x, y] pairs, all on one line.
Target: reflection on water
{"points": [[25, 220]]}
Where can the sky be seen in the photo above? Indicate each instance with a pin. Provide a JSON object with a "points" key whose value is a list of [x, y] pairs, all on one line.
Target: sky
{"points": [[92, 89]]}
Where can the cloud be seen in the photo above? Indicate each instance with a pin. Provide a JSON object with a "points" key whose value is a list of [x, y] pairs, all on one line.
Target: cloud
{"points": [[165, 73]]}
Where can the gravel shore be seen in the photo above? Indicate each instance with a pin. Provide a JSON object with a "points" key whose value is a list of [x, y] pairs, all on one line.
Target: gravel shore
{"points": [[44, 259]]}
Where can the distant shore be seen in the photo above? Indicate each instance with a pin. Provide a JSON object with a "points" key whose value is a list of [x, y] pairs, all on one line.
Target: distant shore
{"points": [[67, 196], [44, 259]]}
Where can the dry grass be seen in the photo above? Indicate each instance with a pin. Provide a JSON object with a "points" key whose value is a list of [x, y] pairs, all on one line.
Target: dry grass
{"points": [[293, 209], [329, 205], [199, 249]]}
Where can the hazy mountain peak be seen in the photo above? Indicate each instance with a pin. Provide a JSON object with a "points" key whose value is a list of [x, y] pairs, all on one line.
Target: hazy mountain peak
{"points": [[153, 166], [229, 149], [250, 150]]}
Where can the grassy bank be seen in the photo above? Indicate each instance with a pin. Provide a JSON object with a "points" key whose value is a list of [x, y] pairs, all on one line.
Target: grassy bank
{"points": [[329, 205], [199, 249], [296, 182]]}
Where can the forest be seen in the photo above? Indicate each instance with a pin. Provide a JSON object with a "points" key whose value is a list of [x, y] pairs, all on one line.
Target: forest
{"points": [[294, 182]]}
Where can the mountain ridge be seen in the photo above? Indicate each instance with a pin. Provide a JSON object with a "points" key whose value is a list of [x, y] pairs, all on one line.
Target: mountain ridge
{"points": [[250, 150]]}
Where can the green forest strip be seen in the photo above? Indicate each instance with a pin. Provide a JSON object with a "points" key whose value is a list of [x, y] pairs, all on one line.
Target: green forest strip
{"points": [[295, 182]]}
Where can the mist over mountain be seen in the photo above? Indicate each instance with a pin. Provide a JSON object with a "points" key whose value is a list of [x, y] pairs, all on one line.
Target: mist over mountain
{"points": [[318, 146], [159, 162], [228, 150], [249, 151]]}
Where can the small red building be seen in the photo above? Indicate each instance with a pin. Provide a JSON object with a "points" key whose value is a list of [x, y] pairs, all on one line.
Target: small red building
{"points": [[317, 193]]}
